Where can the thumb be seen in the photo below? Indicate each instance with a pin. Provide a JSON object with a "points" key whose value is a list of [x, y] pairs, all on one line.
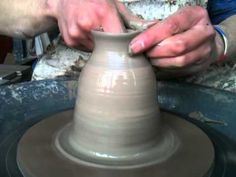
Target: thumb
{"points": [[132, 21]]}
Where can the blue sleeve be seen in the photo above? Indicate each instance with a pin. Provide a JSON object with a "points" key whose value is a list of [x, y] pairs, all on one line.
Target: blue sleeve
{"points": [[219, 10]]}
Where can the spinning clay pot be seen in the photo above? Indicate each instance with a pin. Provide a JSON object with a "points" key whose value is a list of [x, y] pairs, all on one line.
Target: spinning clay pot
{"points": [[116, 118]]}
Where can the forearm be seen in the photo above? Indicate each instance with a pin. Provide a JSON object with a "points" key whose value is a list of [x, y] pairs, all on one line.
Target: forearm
{"points": [[25, 18], [229, 27]]}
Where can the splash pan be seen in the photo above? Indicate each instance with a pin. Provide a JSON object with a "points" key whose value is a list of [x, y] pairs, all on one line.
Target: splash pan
{"points": [[44, 151]]}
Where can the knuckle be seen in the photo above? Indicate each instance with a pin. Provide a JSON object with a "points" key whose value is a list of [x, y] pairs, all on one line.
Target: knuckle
{"points": [[86, 24], [101, 11], [180, 47], [149, 38], [173, 26]]}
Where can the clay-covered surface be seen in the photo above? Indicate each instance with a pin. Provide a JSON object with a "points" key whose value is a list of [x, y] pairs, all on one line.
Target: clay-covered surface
{"points": [[220, 76]]}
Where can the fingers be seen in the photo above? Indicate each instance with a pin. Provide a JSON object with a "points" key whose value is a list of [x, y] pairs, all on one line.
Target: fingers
{"points": [[199, 55], [113, 24], [109, 17], [177, 23], [76, 19], [182, 43], [75, 37]]}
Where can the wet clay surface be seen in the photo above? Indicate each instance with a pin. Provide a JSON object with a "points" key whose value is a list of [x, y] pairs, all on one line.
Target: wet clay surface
{"points": [[116, 115]]}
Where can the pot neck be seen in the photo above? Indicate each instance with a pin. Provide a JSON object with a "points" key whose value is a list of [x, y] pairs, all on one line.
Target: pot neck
{"points": [[113, 41]]}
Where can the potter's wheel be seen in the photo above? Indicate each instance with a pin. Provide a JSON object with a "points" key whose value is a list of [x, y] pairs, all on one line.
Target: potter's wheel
{"points": [[38, 156], [116, 129]]}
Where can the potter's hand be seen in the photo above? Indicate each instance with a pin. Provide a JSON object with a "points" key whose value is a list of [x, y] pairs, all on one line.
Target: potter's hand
{"points": [[76, 19], [184, 43]]}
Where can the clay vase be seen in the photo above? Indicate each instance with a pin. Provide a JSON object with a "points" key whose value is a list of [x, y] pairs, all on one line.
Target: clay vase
{"points": [[116, 117]]}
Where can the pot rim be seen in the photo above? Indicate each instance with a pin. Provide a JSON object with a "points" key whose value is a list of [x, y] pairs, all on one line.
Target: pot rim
{"points": [[130, 33]]}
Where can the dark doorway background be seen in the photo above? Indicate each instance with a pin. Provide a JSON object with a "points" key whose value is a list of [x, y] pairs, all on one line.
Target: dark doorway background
{"points": [[5, 47]]}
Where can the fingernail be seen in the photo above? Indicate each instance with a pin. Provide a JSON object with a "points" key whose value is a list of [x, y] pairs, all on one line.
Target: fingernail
{"points": [[136, 47]]}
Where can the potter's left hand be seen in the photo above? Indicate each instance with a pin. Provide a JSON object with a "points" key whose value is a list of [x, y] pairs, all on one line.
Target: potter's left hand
{"points": [[76, 19], [183, 43]]}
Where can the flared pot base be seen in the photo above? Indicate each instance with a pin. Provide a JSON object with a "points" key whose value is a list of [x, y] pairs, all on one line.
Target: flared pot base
{"points": [[163, 147], [38, 154]]}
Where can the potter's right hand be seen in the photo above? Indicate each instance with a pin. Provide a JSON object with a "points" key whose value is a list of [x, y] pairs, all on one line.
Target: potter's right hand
{"points": [[182, 44], [76, 19]]}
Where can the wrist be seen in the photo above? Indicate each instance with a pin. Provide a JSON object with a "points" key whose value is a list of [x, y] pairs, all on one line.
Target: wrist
{"points": [[221, 44]]}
